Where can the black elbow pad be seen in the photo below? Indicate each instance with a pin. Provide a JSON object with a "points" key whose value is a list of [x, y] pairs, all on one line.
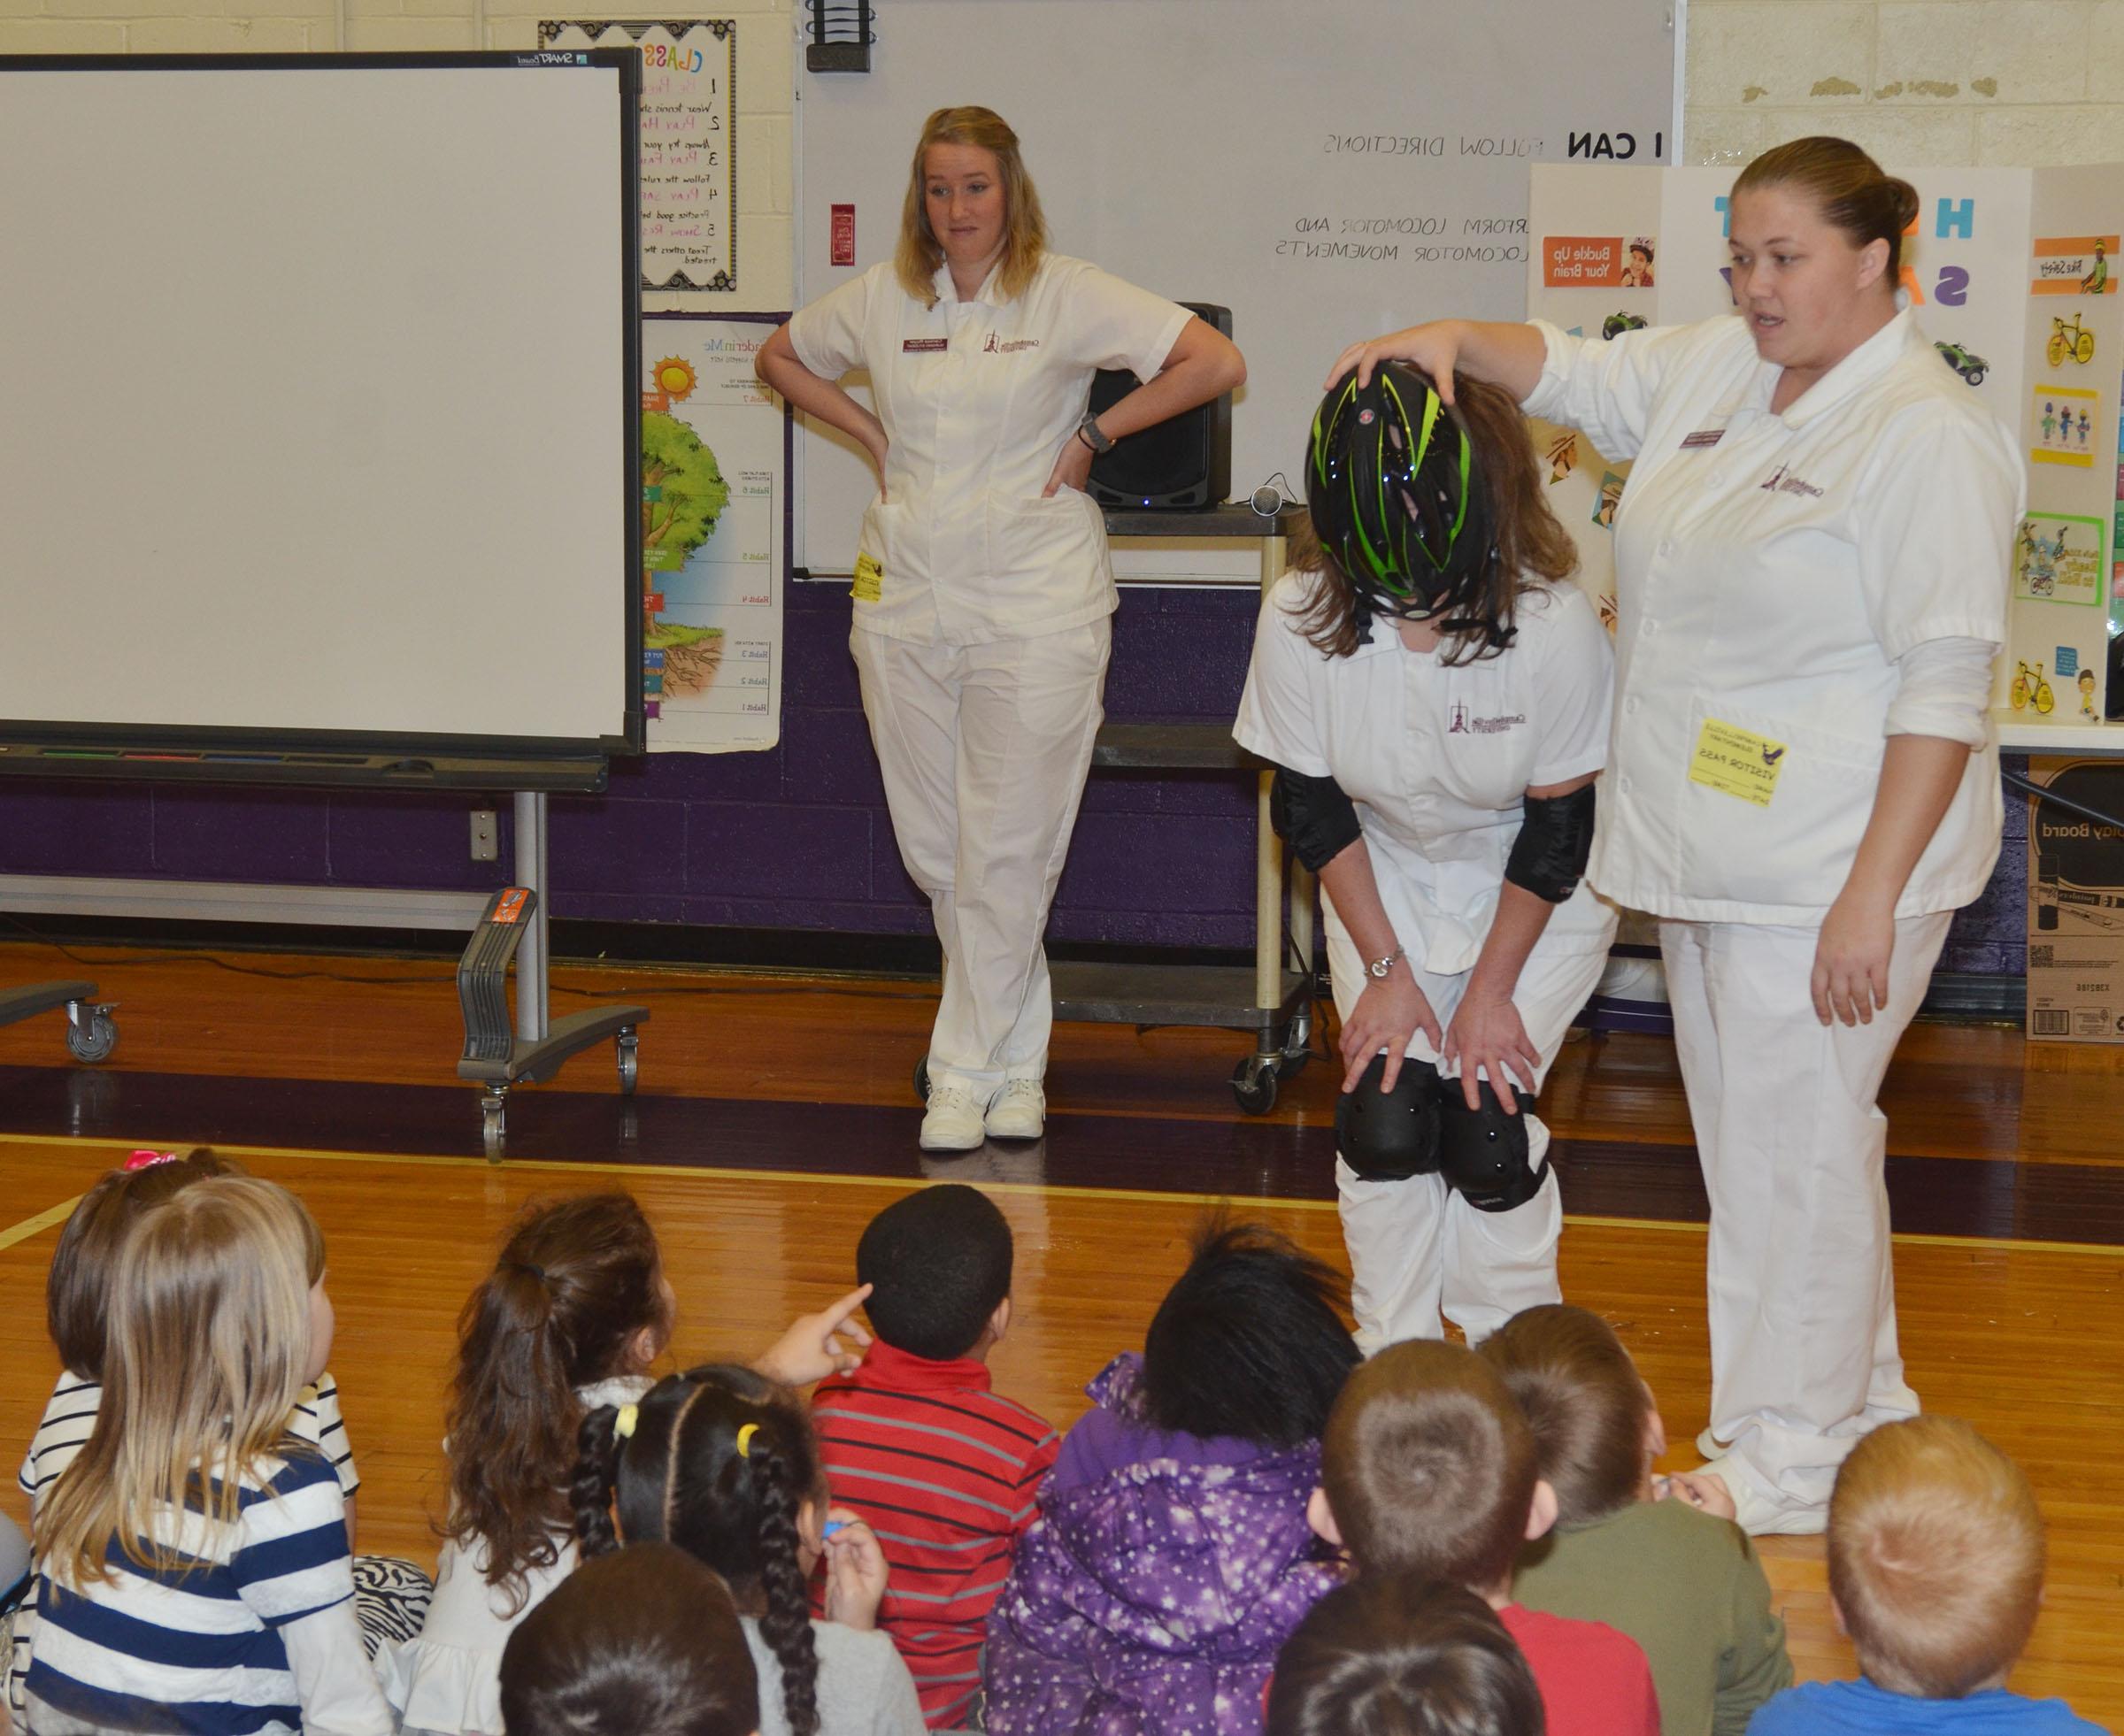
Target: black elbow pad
{"points": [[1549, 857], [1312, 816]]}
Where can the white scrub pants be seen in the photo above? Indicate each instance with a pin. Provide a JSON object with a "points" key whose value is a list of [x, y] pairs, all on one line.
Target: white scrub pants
{"points": [[1418, 1250], [984, 750], [1803, 1359]]}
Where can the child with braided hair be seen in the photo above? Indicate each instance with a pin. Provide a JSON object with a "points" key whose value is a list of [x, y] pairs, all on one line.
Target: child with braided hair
{"points": [[575, 1315], [723, 1462]]}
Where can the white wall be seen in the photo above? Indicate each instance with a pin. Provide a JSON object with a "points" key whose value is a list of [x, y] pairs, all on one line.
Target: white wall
{"points": [[2006, 83]]}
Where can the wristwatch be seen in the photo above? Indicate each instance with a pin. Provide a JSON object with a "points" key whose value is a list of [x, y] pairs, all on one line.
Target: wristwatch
{"points": [[1092, 435], [1380, 968]]}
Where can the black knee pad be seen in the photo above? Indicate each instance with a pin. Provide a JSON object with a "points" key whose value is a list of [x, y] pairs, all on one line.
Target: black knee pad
{"points": [[1390, 1135], [1482, 1153]]}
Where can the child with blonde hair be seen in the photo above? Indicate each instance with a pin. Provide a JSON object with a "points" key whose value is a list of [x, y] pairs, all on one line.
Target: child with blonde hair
{"points": [[1936, 1557], [194, 1565], [1681, 1582]]}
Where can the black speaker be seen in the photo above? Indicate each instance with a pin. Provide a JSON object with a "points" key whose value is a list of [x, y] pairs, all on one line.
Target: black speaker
{"points": [[1185, 461]]}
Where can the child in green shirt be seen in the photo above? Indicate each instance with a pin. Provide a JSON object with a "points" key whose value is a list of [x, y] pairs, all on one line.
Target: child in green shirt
{"points": [[1684, 1584]]}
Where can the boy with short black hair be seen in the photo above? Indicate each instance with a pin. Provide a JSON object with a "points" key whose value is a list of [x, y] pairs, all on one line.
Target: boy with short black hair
{"points": [[1428, 1467], [1936, 1558], [944, 1470]]}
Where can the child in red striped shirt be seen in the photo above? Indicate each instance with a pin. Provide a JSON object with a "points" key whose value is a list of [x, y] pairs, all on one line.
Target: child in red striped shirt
{"points": [[943, 1470]]}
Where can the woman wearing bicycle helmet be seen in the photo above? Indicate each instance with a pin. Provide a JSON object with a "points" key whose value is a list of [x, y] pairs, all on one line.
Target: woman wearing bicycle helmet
{"points": [[1812, 561], [1436, 694]]}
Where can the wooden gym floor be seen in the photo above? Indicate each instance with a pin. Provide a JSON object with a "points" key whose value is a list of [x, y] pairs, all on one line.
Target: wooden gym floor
{"points": [[775, 1116]]}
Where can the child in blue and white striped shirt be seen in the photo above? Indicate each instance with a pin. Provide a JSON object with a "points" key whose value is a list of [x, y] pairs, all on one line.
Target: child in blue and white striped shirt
{"points": [[195, 1571]]}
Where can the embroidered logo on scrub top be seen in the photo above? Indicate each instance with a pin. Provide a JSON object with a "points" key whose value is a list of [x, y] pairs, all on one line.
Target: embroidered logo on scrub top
{"points": [[1781, 482], [1458, 723], [1009, 346]]}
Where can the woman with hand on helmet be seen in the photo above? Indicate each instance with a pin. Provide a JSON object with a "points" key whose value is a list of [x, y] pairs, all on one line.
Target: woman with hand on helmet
{"points": [[1812, 566], [1436, 694]]}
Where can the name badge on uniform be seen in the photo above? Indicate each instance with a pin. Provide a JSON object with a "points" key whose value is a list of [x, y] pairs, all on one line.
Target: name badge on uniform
{"points": [[870, 581], [1737, 761], [924, 346], [1703, 437]]}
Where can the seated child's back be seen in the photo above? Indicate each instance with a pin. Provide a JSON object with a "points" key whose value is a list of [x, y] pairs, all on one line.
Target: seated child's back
{"points": [[724, 1464], [1936, 1557], [944, 1468], [645, 1642], [1428, 1468], [1172, 1557], [195, 1571], [1685, 1585], [1389, 1655]]}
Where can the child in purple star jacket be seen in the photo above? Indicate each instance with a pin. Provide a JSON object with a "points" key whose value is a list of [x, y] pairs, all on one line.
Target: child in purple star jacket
{"points": [[1172, 1557]]}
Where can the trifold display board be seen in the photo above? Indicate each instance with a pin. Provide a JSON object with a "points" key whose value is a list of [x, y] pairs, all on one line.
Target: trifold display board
{"points": [[318, 407], [1327, 170], [2012, 274]]}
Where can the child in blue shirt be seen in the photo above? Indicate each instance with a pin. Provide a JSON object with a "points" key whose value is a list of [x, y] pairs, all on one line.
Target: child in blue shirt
{"points": [[1935, 1571]]}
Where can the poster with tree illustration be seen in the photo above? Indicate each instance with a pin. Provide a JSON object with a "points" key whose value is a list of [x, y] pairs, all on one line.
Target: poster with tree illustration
{"points": [[714, 486]]}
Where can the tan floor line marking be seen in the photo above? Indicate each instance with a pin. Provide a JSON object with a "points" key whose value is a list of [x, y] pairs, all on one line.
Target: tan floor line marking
{"points": [[44, 1220]]}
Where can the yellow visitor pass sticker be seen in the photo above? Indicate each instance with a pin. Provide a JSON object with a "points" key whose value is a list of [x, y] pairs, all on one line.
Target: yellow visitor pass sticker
{"points": [[1737, 762], [870, 581]]}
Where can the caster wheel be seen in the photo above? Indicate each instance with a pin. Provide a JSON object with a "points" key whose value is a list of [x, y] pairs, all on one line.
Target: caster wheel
{"points": [[921, 1079], [1297, 1046], [94, 1038], [1254, 1085], [494, 1123], [630, 1063]]}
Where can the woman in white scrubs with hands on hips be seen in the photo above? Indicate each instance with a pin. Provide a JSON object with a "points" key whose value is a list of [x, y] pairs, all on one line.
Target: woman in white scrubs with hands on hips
{"points": [[982, 586], [1436, 693], [1812, 561]]}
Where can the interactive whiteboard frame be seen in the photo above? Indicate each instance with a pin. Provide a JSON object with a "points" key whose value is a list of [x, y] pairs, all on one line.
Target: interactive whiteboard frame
{"points": [[140, 717]]}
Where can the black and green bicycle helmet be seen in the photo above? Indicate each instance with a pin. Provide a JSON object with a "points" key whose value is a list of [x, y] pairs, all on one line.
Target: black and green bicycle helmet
{"points": [[1396, 498]]}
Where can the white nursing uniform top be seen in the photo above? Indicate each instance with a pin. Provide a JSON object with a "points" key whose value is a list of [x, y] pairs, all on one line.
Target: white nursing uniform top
{"points": [[1770, 568], [977, 399], [1438, 757]]}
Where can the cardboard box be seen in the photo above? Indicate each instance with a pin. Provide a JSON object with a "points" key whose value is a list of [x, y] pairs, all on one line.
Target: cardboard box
{"points": [[2076, 904]]}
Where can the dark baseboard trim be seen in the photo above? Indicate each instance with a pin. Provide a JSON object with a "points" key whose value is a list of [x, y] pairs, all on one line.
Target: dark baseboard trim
{"points": [[575, 942]]}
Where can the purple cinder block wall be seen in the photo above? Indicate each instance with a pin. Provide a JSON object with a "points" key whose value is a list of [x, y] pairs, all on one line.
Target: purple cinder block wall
{"points": [[797, 838]]}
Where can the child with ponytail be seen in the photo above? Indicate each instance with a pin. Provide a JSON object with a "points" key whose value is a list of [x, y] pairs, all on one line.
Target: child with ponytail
{"points": [[194, 1565], [574, 1315], [723, 1462]]}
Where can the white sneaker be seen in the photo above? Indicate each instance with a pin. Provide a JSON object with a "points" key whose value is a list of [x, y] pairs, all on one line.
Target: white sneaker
{"points": [[1019, 1111], [953, 1120]]}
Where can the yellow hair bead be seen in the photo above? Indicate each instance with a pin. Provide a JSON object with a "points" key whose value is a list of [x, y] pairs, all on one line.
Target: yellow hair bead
{"points": [[745, 1439], [623, 1424]]}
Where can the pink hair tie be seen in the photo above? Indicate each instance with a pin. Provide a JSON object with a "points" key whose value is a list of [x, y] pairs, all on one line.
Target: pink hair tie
{"points": [[147, 1160]]}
